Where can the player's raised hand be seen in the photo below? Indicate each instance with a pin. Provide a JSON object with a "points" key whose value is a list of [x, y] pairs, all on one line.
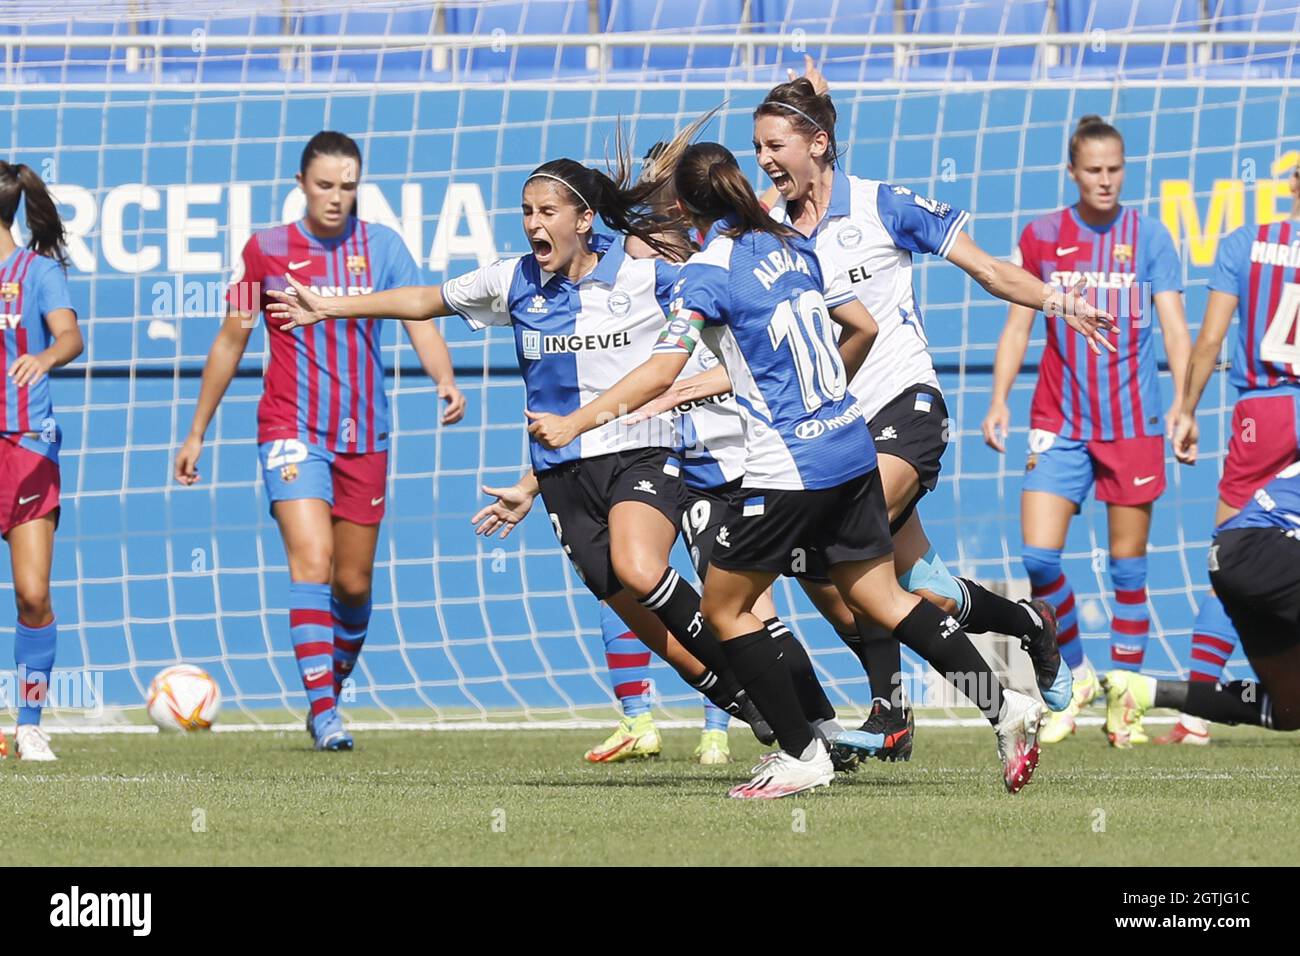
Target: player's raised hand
{"points": [[1186, 438], [1092, 323], [551, 431], [28, 369], [187, 461], [812, 74], [455, 399], [511, 506], [996, 425], [295, 307]]}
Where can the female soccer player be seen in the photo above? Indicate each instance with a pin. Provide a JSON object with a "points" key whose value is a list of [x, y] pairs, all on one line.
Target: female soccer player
{"points": [[583, 313], [323, 418], [1254, 273], [1095, 418], [1255, 569], [867, 231], [40, 333], [811, 484]]}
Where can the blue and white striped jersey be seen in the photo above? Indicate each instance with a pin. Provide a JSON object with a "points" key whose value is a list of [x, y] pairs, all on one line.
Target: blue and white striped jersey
{"points": [[574, 340], [765, 316], [711, 435], [868, 237]]}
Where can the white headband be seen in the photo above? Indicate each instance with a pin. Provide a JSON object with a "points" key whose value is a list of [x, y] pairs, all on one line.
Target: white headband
{"points": [[795, 109], [560, 179]]}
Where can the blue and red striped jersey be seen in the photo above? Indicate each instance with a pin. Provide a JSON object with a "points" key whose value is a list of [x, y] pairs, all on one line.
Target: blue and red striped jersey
{"points": [[1260, 265], [31, 287], [325, 382], [1110, 396]]}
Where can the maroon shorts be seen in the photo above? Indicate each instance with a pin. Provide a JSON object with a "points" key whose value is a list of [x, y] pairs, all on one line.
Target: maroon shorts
{"points": [[29, 484], [1264, 441]]}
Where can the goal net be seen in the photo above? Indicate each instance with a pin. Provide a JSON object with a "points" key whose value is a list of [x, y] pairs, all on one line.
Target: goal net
{"points": [[171, 134]]}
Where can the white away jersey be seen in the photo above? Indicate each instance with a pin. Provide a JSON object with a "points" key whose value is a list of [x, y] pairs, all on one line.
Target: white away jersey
{"points": [[761, 300], [867, 238], [575, 340]]}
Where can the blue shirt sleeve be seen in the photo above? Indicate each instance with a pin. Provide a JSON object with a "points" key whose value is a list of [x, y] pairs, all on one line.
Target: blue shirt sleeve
{"points": [[399, 267], [1232, 257], [666, 276], [703, 289], [918, 224], [1162, 268], [52, 292]]}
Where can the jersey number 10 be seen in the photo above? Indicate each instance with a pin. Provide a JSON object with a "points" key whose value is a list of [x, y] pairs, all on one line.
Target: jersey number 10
{"points": [[805, 325], [1279, 343]]}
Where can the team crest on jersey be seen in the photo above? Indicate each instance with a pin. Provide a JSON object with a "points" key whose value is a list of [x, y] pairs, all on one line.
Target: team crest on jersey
{"points": [[1122, 253], [356, 265], [289, 473], [9, 291], [620, 303], [849, 237], [707, 358], [538, 306]]}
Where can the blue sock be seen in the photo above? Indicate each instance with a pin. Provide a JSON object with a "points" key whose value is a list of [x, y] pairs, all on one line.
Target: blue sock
{"points": [[350, 627], [715, 718], [311, 628], [34, 658], [1213, 640], [1048, 583], [628, 661], [1130, 625]]}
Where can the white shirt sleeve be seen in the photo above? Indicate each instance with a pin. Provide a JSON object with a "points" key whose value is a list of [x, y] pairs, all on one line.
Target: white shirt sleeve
{"points": [[837, 287], [481, 297]]}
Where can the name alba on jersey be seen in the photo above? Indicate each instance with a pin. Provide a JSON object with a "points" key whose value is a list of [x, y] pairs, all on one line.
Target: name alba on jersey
{"points": [[535, 344], [777, 264]]}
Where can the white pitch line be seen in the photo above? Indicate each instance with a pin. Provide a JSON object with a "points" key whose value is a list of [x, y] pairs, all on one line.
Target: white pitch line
{"points": [[484, 725]]}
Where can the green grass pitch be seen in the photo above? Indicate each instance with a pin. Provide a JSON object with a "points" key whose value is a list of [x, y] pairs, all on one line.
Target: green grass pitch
{"points": [[527, 798]]}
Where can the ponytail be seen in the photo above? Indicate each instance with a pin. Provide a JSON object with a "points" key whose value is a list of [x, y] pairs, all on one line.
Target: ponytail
{"points": [[711, 185], [48, 237]]}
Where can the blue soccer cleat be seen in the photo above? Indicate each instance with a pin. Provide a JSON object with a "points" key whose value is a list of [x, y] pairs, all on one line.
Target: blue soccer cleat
{"points": [[328, 731]]}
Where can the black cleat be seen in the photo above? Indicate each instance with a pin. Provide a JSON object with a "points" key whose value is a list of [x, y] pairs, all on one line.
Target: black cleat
{"points": [[750, 715], [896, 725], [1055, 682]]}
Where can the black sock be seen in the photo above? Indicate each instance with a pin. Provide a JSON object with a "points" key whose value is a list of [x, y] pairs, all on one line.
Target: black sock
{"points": [[812, 697], [756, 661], [941, 641], [722, 690], [986, 612], [1240, 702], [677, 604], [882, 659]]}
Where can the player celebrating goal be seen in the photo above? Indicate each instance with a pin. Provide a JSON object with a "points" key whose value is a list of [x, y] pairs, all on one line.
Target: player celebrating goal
{"points": [[755, 293], [1255, 272], [583, 313], [40, 333], [1095, 418], [322, 421]]}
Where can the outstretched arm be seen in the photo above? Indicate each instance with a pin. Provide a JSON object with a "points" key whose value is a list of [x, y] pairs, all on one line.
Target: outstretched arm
{"points": [[1008, 281], [300, 306], [1012, 345]]}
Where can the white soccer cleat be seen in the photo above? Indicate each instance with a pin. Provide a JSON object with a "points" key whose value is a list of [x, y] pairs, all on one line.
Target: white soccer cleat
{"points": [[1017, 731], [1189, 731], [33, 743], [781, 775]]}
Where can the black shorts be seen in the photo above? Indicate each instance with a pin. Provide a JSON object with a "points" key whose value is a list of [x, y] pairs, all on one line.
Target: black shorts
{"points": [[914, 427], [786, 531], [579, 496], [706, 510], [1256, 574]]}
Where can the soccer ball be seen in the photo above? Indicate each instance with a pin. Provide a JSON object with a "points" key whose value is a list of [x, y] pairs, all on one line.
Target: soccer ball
{"points": [[184, 697]]}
